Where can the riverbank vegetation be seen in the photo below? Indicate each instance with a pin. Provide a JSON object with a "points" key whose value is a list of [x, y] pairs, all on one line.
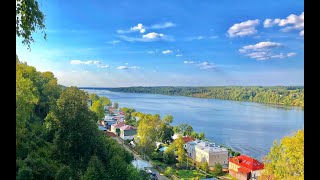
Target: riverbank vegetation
{"points": [[280, 95]]}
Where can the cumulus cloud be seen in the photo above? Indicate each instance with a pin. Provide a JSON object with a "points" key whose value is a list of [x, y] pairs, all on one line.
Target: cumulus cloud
{"points": [[264, 51], [261, 46], [152, 36], [292, 22], [84, 62], [245, 28], [139, 27], [167, 52], [162, 25]]}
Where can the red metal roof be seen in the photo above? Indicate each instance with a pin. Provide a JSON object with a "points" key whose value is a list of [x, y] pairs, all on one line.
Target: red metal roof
{"points": [[246, 163], [187, 139]]}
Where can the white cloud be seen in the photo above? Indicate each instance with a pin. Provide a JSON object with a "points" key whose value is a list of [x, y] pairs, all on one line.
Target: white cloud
{"points": [[178, 55], [167, 52], [84, 62], [103, 66], [301, 33], [214, 37], [292, 22], [152, 36], [163, 25], [151, 52], [114, 42], [206, 65], [260, 46], [127, 67], [139, 28], [189, 62], [245, 28], [263, 51]]}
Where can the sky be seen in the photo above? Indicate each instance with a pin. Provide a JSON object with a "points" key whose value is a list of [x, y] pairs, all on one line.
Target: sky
{"points": [[125, 43]]}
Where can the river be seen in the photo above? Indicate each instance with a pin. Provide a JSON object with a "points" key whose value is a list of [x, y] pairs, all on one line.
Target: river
{"points": [[247, 127]]}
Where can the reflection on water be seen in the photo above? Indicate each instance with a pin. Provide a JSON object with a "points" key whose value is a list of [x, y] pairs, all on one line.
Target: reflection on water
{"points": [[247, 127]]}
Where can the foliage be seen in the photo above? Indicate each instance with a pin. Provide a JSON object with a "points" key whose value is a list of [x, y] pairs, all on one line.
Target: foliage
{"points": [[165, 130], [116, 105], [283, 95], [189, 174], [105, 101], [95, 170], [205, 166], [179, 142], [218, 170], [286, 159], [98, 108], [147, 132], [168, 155], [201, 135], [29, 18], [184, 129], [129, 116], [57, 135], [169, 171]]}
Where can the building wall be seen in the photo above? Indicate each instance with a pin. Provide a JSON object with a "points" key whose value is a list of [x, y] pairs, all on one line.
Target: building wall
{"points": [[237, 175], [201, 156], [130, 132], [113, 129], [218, 157], [233, 167], [190, 150], [125, 137]]}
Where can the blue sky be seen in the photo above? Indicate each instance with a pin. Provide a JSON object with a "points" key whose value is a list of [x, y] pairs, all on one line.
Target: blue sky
{"points": [[178, 43]]}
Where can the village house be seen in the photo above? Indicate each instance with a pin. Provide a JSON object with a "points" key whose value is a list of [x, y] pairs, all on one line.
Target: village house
{"points": [[128, 132], [115, 128], [244, 167], [203, 151]]}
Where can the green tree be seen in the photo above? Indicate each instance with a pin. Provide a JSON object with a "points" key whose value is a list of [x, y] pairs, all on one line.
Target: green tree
{"points": [[201, 135], [25, 174], [169, 171], [179, 142], [64, 173], [218, 171], [286, 159], [95, 170], [98, 108], [168, 119], [29, 18], [115, 105], [205, 166], [105, 101], [76, 136], [168, 155], [194, 135], [93, 97]]}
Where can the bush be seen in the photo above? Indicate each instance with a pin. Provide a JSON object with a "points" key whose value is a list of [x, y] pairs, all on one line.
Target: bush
{"points": [[218, 171], [169, 171]]}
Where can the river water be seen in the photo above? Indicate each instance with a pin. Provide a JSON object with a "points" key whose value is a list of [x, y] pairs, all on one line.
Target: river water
{"points": [[247, 127]]}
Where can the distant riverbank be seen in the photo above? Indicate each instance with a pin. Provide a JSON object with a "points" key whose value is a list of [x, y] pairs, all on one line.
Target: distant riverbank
{"points": [[278, 95]]}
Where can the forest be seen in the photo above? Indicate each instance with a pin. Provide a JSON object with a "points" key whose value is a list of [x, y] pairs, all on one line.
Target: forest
{"points": [[57, 135], [280, 95]]}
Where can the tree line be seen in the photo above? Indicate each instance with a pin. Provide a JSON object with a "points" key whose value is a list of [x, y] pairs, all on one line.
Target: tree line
{"points": [[281, 95], [57, 135]]}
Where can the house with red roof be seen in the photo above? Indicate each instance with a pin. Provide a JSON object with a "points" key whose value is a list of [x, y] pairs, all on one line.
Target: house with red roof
{"points": [[128, 132], [187, 139], [115, 128], [244, 167]]}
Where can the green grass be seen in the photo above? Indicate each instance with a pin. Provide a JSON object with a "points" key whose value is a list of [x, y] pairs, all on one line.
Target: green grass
{"points": [[159, 163], [189, 174]]}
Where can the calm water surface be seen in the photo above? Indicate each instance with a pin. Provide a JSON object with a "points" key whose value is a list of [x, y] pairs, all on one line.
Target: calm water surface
{"points": [[247, 127]]}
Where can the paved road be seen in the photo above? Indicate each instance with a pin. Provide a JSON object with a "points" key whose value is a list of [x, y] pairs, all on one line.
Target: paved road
{"points": [[137, 157]]}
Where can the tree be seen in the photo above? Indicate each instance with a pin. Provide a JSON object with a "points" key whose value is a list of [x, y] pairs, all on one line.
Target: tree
{"points": [[286, 159], [168, 155], [169, 171], [147, 132], [64, 173], [24, 174], [218, 171], [205, 166], [95, 170], [179, 142], [115, 105], [194, 135], [105, 101], [77, 132], [188, 131], [184, 129], [98, 108], [201, 136], [93, 97], [29, 18], [168, 119]]}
